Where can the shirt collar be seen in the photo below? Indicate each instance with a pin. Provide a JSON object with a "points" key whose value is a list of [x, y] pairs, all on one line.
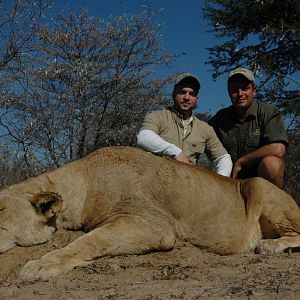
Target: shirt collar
{"points": [[251, 114], [253, 109], [178, 116]]}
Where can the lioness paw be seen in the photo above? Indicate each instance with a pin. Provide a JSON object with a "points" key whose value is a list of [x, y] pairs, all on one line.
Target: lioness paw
{"points": [[37, 269], [30, 271], [267, 247]]}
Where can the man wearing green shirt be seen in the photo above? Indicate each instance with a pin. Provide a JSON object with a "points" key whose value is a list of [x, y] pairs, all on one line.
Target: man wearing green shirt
{"points": [[252, 132]]}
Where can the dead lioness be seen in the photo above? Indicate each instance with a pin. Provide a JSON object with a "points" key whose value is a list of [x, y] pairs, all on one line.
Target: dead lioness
{"points": [[134, 202]]}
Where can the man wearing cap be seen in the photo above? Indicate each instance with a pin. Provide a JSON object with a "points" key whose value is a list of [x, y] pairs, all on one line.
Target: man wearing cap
{"points": [[175, 132], [252, 132]]}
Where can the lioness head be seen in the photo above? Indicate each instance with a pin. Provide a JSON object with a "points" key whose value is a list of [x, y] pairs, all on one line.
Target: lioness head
{"points": [[27, 220]]}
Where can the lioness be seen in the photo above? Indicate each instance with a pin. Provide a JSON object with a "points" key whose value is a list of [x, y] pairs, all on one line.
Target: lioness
{"points": [[134, 202]]}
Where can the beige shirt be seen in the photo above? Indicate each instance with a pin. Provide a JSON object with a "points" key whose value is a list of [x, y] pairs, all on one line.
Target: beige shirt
{"points": [[199, 137]]}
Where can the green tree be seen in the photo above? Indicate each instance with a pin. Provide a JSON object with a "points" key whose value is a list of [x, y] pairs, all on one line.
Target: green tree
{"points": [[263, 35]]}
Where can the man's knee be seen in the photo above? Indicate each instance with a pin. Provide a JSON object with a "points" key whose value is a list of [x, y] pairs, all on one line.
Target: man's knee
{"points": [[272, 168], [271, 164]]}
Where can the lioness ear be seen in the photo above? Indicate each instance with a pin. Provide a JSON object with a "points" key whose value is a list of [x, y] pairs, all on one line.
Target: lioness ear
{"points": [[47, 204]]}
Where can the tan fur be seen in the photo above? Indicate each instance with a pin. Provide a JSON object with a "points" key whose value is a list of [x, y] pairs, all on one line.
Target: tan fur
{"points": [[133, 202]]}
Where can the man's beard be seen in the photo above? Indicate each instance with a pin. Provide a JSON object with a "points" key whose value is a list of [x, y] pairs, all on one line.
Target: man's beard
{"points": [[178, 107]]}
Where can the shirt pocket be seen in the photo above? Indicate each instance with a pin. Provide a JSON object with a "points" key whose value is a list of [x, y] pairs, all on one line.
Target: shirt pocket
{"points": [[196, 147]]}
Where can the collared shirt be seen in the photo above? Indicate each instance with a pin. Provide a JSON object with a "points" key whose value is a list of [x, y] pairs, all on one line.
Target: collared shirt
{"points": [[198, 137], [262, 126]]}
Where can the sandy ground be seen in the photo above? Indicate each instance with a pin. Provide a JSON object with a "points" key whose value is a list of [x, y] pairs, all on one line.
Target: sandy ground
{"points": [[183, 273]]}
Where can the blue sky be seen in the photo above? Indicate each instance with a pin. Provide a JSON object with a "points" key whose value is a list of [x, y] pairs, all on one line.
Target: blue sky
{"points": [[183, 30]]}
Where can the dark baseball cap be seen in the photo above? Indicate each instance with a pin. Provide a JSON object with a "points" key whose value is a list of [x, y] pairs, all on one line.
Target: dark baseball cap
{"points": [[188, 78]]}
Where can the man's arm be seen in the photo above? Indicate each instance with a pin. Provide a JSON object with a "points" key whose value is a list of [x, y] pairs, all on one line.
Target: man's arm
{"points": [[217, 154], [150, 141], [223, 165], [274, 149]]}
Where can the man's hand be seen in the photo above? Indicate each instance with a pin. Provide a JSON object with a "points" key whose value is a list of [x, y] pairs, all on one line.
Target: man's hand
{"points": [[181, 157], [236, 169]]}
